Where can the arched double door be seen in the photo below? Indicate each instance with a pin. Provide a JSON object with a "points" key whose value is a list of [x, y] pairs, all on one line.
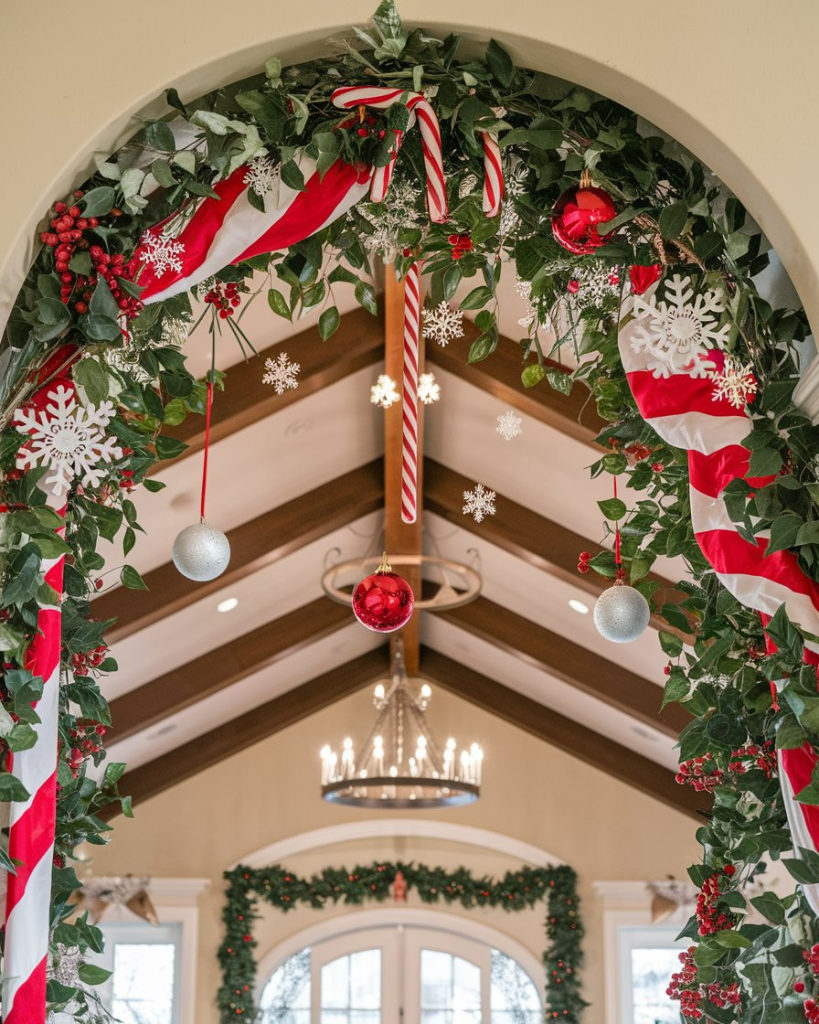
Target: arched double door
{"points": [[401, 974]]}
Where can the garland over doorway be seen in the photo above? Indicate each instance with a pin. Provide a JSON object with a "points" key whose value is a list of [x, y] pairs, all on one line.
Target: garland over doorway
{"points": [[556, 887]]}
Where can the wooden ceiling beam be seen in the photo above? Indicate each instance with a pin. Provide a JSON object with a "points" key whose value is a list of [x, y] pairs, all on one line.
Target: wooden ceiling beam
{"points": [[578, 666], [357, 343], [253, 546], [167, 695], [237, 735], [574, 415], [588, 746], [536, 540]]}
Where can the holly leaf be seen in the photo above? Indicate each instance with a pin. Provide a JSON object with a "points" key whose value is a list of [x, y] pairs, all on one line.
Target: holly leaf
{"points": [[612, 508], [98, 201], [770, 906], [784, 531], [12, 789], [500, 63], [292, 177], [278, 303], [329, 322], [672, 220], [130, 578], [365, 295]]}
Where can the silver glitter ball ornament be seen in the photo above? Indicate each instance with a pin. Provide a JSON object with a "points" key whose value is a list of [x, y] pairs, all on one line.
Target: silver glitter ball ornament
{"points": [[201, 552], [621, 614]]}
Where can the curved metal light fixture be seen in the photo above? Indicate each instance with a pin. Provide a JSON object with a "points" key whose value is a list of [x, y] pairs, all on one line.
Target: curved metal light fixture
{"points": [[401, 765], [455, 584]]}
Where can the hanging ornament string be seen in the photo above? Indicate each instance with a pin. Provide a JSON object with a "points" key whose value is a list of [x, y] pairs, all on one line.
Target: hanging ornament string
{"points": [[620, 574], [206, 450], [409, 435]]}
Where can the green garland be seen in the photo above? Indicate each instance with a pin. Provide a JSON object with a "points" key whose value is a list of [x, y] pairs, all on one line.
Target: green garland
{"points": [[517, 890]]}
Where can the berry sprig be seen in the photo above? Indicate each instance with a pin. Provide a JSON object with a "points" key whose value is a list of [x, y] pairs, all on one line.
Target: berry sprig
{"points": [[709, 912], [224, 298], [696, 773], [83, 661]]}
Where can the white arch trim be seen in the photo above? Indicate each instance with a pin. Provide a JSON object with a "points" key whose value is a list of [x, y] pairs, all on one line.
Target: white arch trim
{"points": [[390, 828], [410, 917]]}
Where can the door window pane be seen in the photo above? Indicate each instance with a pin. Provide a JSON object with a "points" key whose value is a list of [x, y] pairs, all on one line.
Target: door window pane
{"points": [[134, 1001], [286, 997], [351, 989], [514, 998], [450, 989]]}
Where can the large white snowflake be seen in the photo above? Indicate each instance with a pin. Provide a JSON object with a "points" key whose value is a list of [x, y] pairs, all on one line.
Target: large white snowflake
{"points": [[735, 383], [162, 253], [509, 425], [68, 439], [479, 503], [263, 175], [429, 390], [281, 373], [680, 330], [443, 323]]}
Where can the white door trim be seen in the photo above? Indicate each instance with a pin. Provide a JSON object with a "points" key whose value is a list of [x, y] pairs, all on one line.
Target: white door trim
{"points": [[380, 828]]}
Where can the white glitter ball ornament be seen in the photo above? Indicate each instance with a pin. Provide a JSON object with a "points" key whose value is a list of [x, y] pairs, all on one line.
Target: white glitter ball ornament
{"points": [[201, 552], [621, 614]]}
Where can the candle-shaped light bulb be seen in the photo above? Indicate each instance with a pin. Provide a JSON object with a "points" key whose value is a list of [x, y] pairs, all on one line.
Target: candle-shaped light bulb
{"points": [[379, 692], [426, 691]]}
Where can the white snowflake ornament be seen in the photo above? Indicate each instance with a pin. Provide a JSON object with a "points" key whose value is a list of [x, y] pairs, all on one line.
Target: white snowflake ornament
{"points": [[479, 503], [468, 186], [443, 323], [735, 383], [429, 390], [281, 373], [263, 175], [161, 253], [65, 965], [680, 330], [384, 392], [68, 439], [398, 213], [509, 425]]}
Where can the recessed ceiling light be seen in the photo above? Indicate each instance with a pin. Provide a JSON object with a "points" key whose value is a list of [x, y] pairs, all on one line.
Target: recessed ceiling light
{"points": [[227, 605], [578, 606]]}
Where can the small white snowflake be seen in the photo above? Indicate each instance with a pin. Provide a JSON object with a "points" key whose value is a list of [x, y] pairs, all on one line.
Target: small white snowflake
{"points": [[281, 373], [399, 212], [735, 383], [429, 390], [594, 282], [509, 425], [162, 253], [263, 175], [443, 323], [68, 439], [384, 392], [468, 186], [479, 503], [680, 330], [516, 175], [65, 965]]}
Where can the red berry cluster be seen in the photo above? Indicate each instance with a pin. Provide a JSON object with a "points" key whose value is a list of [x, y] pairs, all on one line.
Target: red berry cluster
{"points": [[461, 245], [710, 915], [69, 233], [83, 661], [697, 774], [811, 1010], [763, 758], [224, 298], [727, 995], [583, 562], [812, 958], [684, 987]]}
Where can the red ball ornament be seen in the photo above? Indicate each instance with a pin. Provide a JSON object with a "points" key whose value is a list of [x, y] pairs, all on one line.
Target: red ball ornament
{"points": [[384, 601], [576, 215]]}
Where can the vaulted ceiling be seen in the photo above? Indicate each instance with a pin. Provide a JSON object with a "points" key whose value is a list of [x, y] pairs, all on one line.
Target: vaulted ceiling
{"points": [[297, 476]]}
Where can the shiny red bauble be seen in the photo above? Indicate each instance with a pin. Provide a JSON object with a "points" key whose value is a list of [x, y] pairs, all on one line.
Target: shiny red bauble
{"points": [[383, 602], [576, 215]]}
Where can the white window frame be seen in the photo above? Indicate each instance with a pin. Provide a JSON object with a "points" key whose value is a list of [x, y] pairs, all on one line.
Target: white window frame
{"points": [[627, 913], [133, 932], [176, 901]]}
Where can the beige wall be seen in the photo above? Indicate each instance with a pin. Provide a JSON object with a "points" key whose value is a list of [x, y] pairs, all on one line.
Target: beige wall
{"points": [[599, 826], [736, 81]]}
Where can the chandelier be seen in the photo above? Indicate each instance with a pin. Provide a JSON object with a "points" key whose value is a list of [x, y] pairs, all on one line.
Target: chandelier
{"points": [[401, 765]]}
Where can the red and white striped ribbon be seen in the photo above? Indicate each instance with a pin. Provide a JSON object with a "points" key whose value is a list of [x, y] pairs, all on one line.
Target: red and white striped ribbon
{"points": [[492, 175], [32, 823], [228, 230], [409, 437], [371, 96], [684, 413]]}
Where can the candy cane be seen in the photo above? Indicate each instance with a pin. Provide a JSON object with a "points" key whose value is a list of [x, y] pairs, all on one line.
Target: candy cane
{"points": [[367, 96], [492, 175], [32, 823], [684, 413], [409, 438]]}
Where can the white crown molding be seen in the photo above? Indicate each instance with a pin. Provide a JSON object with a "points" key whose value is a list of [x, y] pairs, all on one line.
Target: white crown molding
{"points": [[177, 892], [387, 828], [624, 895]]}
